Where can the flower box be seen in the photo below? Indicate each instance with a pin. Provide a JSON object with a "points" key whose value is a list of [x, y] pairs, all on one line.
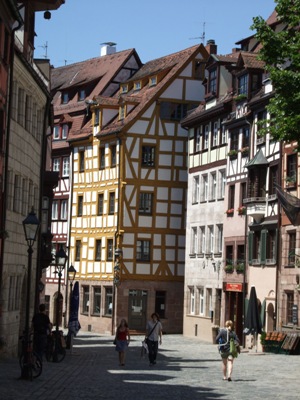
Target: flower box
{"points": [[232, 154], [240, 268], [228, 268], [229, 212], [241, 210]]}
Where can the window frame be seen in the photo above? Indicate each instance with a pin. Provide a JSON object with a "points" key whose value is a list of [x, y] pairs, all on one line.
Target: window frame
{"points": [[96, 300], [98, 250], [100, 205], [85, 299], [111, 203], [143, 250], [146, 203], [148, 156]]}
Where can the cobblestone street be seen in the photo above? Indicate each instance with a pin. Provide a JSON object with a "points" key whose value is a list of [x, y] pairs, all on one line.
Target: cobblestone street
{"points": [[186, 369]]}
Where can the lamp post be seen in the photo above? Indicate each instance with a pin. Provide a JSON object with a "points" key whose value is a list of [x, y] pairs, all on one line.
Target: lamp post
{"points": [[71, 277], [60, 262], [31, 225], [116, 283]]}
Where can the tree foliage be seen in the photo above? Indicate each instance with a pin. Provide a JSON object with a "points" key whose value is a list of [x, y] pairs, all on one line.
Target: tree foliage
{"points": [[281, 53]]}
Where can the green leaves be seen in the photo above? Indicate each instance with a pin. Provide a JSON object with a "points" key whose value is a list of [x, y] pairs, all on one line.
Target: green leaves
{"points": [[280, 52]]}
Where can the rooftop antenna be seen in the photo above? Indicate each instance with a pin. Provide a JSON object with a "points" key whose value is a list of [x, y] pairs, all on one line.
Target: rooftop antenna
{"points": [[202, 37], [45, 47], [65, 61]]}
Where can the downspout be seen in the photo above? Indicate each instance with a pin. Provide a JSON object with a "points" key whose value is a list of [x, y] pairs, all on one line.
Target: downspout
{"points": [[38, 273], [278, 255], [69, 239], [246, 241], [5, 175], [114, 314]]}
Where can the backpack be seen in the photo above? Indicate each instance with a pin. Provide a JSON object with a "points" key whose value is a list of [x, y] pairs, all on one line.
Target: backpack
{"points": [[222, 342]]}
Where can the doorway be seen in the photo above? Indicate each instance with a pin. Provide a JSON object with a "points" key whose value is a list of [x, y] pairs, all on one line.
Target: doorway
{"points": [[137, 309], [234, 310]]}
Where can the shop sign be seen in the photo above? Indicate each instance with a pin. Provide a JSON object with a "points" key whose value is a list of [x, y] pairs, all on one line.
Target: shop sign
{"points": [[234, 287]]}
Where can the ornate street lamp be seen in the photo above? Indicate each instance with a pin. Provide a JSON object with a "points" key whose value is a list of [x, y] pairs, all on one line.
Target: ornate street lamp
{"points": [[31, 226], [71, 277], [60, 262], [116, 283]]}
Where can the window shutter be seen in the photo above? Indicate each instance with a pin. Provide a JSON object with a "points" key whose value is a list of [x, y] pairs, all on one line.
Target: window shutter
{"points": [[250, 247], [263, 246], [275, 246]]}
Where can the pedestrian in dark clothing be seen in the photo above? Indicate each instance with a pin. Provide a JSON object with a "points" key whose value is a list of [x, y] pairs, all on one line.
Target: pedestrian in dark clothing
{"points": [[41, 329], [153, 337]]}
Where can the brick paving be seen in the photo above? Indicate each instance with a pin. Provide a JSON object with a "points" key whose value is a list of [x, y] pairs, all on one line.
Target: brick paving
{"points": [[186, 369]]}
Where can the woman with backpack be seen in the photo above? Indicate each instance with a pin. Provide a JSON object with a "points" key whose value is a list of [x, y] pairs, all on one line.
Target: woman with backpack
{"points": [[224, 337]]}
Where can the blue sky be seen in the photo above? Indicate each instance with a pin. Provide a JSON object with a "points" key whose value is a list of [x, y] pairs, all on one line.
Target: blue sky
{"points": [[154, 28]]}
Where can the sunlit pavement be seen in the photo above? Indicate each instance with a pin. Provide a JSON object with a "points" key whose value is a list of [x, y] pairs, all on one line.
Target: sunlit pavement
{"points": [[185, 369]]}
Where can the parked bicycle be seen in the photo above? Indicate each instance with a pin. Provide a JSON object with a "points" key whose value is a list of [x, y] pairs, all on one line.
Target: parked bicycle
{"points": [[56, 347], [30, 363]]}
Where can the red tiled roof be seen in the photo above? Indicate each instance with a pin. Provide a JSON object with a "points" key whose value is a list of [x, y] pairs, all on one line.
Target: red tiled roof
{"points": [[96, 76], [172, 64], [250, 60]]}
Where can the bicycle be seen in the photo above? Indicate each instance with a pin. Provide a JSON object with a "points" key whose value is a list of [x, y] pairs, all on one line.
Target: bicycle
{"points": [[56, 347], [30, 363]]}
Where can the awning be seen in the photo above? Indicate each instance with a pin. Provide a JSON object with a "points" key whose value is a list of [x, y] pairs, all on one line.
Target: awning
{"points": [[290, 204]]}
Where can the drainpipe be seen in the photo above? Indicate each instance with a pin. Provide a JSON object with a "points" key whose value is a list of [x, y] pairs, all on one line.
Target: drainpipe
{"points": [[5, 171], [38, 274], [245, 242], [70, 202], [278, 255], [114, 299]]}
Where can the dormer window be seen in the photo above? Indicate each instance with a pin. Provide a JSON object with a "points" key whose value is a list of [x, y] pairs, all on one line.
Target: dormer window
{"points": [[97, 117], [124, 88], [243, 84], [212, 88], [65, 98], [81, 95], [152, 81], [60, 131], [64, 131], [56, 132], [122, 112], [137, 85]]}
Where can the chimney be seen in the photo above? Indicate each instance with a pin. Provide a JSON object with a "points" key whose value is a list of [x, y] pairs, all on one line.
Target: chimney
{"points": [[211, 47], [236, 50], [107, 48]]}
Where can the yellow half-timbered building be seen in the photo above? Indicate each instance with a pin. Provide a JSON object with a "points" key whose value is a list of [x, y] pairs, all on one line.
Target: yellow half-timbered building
{"points": [[129, 196]]}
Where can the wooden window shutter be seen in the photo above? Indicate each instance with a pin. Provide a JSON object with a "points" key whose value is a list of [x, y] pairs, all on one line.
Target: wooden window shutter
{"points": [[263, 246], [250, 247]]}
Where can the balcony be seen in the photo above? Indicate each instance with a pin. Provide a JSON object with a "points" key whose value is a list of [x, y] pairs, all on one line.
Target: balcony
{"points": [[256, 207]]}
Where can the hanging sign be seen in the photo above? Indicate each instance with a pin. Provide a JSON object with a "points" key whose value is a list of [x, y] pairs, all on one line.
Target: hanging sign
{"points": [[234, 287]]}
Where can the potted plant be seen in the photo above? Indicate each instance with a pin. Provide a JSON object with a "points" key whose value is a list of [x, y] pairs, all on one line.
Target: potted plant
{"points": [[228, 268], [290, 180], [240, 267], [229, 212], [240, 97], [232, 153], [241, 210], [263, 339], [244, 151]]}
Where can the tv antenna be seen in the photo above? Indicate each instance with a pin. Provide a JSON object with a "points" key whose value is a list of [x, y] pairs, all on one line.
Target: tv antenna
{"points": [[45, 47], [202, 37]]}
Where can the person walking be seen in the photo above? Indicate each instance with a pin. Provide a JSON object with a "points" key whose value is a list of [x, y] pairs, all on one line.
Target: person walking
{"points": [[223, 339], [41, 327], [153, 334], [122, 340]]}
